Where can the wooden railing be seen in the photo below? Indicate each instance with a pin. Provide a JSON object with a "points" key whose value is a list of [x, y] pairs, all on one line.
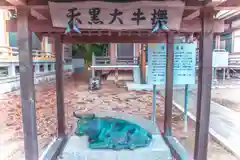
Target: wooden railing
{"points": [[6, 51], [107, 60], [234, 59]]}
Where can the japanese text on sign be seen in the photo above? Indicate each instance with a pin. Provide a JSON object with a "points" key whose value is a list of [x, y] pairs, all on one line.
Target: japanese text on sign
{"points": [[184, 63], [158, 15], [101, 15]]}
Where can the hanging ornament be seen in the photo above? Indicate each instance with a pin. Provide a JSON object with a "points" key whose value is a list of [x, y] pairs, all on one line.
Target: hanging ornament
{"points": [[156, 27], [76, 29], [159, 26], [68, 29], [71, 26]]}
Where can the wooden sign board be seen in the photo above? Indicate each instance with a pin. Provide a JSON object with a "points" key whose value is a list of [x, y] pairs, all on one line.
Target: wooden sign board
{"points": [[118, 16]]}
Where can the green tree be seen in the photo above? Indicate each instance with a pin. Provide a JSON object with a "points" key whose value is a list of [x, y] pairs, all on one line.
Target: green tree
{"points": [[86, 50]]}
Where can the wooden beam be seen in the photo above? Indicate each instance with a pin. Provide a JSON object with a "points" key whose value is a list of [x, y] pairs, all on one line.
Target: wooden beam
{"points": [[192, 15], [45, 7], [211, 3], [191, 26], [17, 2], [214, 3], [22, 3], [46, 26], [35, 26], [37, 14], [204, 85], [114, 38]]}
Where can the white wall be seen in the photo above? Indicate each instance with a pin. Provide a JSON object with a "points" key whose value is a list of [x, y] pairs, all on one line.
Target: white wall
{"points": [[3, 41], [47, 45], [236, 41]]}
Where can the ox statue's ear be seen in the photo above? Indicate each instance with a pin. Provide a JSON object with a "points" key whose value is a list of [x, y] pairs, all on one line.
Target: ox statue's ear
{"points": [[83, 116]]}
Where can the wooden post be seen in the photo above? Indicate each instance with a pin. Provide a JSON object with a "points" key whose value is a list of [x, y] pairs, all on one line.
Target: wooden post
{"points": [[204, 85], [143, 65], [169, 86], [24, 40], [217, 42], [113, 53], [59, 85]]}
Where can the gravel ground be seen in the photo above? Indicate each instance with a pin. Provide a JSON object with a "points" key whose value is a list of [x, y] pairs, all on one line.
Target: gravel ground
{"points": [[78, 98]]}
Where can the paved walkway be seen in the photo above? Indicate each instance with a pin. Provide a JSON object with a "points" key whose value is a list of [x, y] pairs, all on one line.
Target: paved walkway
{"points": [[224, 123]]}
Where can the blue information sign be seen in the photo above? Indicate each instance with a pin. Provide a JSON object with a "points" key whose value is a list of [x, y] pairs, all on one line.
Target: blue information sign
{"points": [[156, 63], [184, 63]]}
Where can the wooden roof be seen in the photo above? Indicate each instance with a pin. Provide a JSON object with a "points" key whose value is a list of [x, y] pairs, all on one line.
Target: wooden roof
{"points": [[41, 19], [40, 7]]}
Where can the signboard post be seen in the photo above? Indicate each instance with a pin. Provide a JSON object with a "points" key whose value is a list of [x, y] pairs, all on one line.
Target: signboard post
{"points": [[186, 109], [154, 103], [156, 68], [184, 69]]}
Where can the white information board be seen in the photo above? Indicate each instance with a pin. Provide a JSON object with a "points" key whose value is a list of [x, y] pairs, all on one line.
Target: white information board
{"points": [[220, 58], [184, 63]]}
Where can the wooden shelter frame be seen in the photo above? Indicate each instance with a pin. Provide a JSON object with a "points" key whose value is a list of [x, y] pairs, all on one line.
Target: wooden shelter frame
{"points": [[33, 16]]}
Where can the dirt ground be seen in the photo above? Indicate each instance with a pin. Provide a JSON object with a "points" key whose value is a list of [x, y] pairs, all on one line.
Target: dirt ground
{"points": [[78, 98], [228, 97]]}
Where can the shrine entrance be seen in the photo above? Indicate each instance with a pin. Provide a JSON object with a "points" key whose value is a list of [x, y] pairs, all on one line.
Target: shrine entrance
{"points": [[96, 22]]}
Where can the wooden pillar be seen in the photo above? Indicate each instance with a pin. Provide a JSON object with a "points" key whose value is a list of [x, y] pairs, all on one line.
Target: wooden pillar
{"points": [[112, 51], [217, 42], [169, 86], [59, 85], [204, 85], [52, 47], [24, 40], [137, 49], [43, 44], [143, 65]]}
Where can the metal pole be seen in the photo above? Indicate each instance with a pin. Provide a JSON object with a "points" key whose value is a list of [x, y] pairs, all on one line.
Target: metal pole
{"points": [[59, 85], [224, 74], [154, 103], [169, 86], [204, 84], [93, 64], [213, 75], [24, 40], [186, 109]]}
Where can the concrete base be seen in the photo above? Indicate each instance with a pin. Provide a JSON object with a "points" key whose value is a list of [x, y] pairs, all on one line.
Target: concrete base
{"points": [[149, 87], [77, 147]]}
